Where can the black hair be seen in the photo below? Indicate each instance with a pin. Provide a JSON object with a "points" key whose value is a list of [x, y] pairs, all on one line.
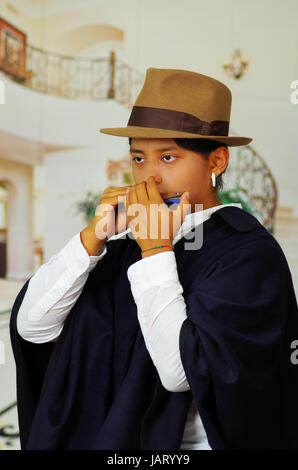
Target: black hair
{"points": [[204, 147]]}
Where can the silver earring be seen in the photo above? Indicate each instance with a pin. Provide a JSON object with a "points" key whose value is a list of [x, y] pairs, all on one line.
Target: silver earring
{"points": [[213, 179]]}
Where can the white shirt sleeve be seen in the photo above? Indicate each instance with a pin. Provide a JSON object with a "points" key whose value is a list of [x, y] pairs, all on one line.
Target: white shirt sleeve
{"points": [[161, 311], [53, 290]]}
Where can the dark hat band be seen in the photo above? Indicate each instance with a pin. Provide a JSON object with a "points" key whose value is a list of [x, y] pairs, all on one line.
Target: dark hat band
{"points": [[159, 118]]}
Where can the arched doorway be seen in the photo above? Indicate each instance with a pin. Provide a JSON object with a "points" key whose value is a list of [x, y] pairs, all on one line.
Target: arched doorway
{"points": [[97, 39], [18, 233]]}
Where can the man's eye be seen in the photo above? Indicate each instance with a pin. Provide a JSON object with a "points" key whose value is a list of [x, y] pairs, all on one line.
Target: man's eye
{"points": [[134, 159], [165, 156], [169, 156]]}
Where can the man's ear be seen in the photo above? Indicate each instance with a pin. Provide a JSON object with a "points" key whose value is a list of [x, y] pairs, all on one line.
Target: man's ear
{"points": [[219, 159]]}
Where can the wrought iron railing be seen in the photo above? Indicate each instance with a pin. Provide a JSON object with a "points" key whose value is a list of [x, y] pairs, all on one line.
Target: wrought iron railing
{"points": [[247, 179], [67, 76]]}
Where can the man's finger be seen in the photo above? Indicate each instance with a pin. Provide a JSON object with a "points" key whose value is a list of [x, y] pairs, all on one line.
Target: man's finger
{"points": [[117, 190], [141, 192], [152, 190], [133, 199]]}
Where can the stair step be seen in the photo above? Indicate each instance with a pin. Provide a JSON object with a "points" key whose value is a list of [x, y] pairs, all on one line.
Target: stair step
{"points": [[287, 222], [287, 226], [4, 305], [284, 211], [286, 231], [286, 236]]}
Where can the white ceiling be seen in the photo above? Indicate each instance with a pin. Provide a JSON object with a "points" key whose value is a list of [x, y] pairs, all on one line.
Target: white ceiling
{"points": [[42, 8]]}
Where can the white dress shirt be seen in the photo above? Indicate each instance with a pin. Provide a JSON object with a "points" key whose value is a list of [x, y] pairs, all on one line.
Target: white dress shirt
{"points": [[54, 288]]}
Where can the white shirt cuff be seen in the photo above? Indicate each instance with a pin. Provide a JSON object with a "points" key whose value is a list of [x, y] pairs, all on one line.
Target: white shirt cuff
{"points": [[147, 272]]}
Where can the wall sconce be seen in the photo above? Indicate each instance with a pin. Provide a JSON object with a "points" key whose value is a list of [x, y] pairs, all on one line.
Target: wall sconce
{"points": [[236, 66]]}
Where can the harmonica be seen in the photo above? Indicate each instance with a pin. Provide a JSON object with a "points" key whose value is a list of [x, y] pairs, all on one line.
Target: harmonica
{"points": [[171, 200]]}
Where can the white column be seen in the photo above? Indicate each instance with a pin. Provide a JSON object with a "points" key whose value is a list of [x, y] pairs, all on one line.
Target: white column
{"points": [[20, 225]]}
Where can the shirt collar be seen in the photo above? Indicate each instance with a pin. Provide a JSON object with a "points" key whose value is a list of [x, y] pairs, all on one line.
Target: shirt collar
{"points": [[196, 218]]}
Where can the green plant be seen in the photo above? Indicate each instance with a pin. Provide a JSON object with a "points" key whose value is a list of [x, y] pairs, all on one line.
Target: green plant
{"points": [[127, 179], [88, 205]]}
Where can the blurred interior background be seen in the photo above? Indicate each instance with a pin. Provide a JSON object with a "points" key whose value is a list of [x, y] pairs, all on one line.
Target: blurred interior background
{"points": [[69, 68]]}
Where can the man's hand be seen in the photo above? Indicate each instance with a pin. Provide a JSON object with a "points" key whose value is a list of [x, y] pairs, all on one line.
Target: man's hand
{"points": [[157, 224], [106, 221]]}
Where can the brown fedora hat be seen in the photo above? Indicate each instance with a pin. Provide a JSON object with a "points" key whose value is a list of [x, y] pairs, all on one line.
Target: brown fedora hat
{"points": [[180, 104]]}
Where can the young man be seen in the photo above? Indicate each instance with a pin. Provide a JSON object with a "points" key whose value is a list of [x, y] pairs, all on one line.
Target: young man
{"points": [[149, 342]]}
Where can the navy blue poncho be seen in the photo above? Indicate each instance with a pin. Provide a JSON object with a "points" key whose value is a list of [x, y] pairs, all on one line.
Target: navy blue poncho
{"points": [[97, 387]]}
